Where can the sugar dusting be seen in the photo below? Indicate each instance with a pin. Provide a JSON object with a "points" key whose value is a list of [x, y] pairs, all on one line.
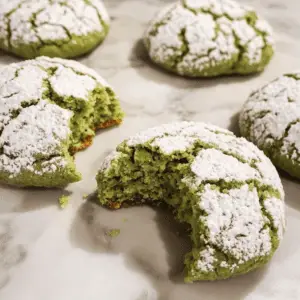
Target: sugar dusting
{"points": [[34, 132], [34, 21], [235, 219], [235, 222], [272, 114], [38, 131], [199, 35]]}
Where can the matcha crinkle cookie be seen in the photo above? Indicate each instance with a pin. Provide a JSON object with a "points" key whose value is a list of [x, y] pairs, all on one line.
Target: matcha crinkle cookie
{"points": [[55, 28], [49, 109], [224, 187], [270, 119], [204, 38]]}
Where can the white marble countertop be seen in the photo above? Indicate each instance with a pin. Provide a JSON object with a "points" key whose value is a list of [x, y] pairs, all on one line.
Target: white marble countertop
{"points": [[52, 254]]}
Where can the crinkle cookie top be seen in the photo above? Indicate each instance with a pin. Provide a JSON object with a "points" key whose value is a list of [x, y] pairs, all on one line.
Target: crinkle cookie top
{"points": [[228, 151], [271, 117], [38, 131], [49, 22], [209, 38], [32, 126], [235, 216]]}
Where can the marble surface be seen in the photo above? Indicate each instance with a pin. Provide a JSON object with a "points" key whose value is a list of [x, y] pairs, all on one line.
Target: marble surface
{"points": [[47, 253]]}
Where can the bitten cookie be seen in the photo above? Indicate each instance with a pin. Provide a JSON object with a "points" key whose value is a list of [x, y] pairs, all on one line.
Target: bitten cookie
{"points": [[209, 38], [224, 187], [49, 109], [55, 28], [271, 119]]}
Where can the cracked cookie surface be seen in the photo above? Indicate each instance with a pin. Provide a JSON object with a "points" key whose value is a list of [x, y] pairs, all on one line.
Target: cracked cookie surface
{"points": [[54, 28], [271, 119], [209, 38], [224, 187], [49, 109]]}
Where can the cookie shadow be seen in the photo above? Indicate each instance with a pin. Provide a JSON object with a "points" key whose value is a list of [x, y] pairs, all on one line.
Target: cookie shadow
{"points": [[9, 58], [177, 246], [230, 289], [17, 199], [12, 253], [234, 124], [154, 245], [139, 240], [140, 60], [292, 190]]}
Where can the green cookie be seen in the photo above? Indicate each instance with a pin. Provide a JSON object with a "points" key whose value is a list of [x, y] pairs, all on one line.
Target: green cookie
{"points": [[209, 38], [271, 119], [49, 109], [224, 187], [31, 28]]}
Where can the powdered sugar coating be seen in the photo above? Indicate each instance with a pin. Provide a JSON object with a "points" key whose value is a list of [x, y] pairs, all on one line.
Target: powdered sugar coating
{"points": [[270, 175], [113, 156], [209, 38], [206, 260], [189, 129], [235, 183], [270, 118], [236, 223], [212, 164], [34, 132], [50, 21], [182, 135], [229, 7], [38, 131], [72, 64], [169, 144], [64, 81], [277, 210]]}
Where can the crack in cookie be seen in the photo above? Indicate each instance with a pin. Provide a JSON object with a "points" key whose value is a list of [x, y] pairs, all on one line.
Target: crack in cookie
{"points": [[54, 28], [209, 38], [224, 187], [49, 109]]}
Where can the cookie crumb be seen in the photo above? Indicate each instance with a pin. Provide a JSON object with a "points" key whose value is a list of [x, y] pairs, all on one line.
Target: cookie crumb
{"points": [[113, 232], [63, 201]]}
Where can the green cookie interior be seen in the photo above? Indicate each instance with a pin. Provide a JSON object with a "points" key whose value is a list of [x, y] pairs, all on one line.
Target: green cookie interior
{"points": [[99, 110], [101, 107], [145, 174]]}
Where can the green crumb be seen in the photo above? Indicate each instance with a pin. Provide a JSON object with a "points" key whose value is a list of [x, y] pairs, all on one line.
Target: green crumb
{"points": [[63, 201], [75, 116], [125, 220], [85, 196], [113, 232]]}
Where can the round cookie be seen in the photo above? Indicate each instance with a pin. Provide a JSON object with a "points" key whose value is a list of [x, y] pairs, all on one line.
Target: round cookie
{"points": [[224, 187], [271, 119], [49, 109], [209, 38], [54, 28]]}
